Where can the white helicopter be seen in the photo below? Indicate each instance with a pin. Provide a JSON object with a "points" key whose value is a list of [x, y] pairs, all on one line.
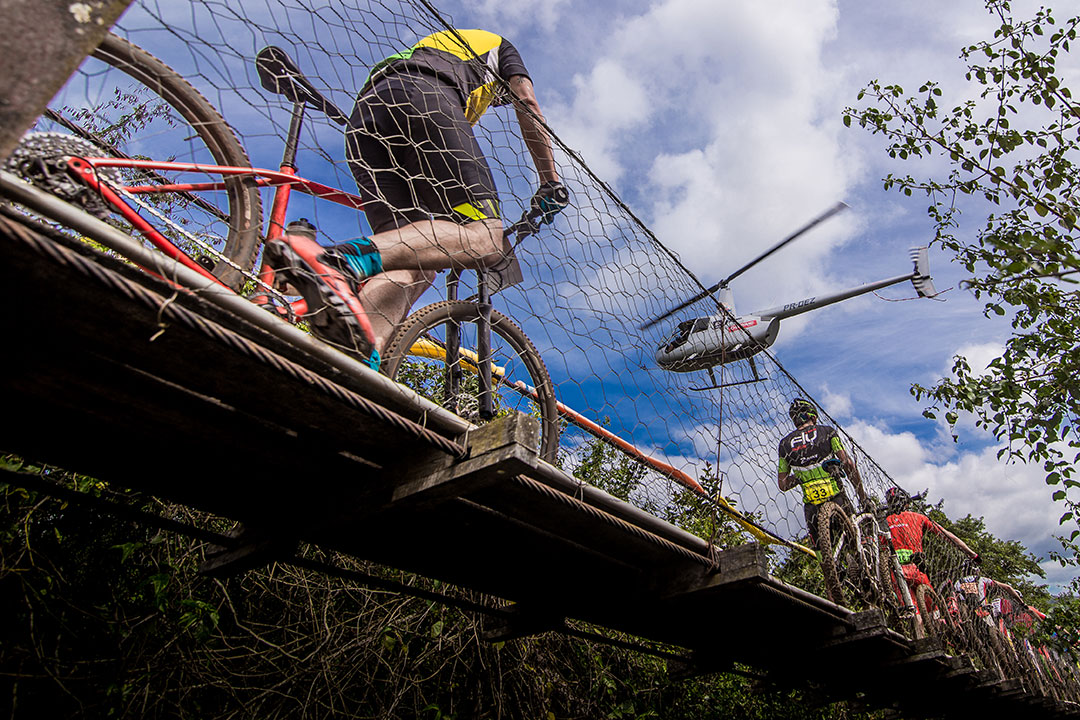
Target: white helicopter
{"points": [[704, 342]]}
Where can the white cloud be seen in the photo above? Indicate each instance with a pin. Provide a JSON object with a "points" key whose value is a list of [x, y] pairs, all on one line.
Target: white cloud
{"points": [[1012, 498], [512, 16], [610, 102], [838, 405], [730, 108], [978, 356]]}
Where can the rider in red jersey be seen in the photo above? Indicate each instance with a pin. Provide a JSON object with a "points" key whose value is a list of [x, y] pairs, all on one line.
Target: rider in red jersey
{"points": [[908, 529]]}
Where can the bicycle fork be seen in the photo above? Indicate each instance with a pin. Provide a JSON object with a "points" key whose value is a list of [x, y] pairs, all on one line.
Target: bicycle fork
{"points": [[454, 375]]}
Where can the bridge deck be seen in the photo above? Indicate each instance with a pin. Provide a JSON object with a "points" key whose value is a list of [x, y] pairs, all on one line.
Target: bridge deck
{"points": [[119, 375]]}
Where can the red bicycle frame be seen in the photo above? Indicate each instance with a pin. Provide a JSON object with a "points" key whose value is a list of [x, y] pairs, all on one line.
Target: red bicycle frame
{"points": [[284, 180]]}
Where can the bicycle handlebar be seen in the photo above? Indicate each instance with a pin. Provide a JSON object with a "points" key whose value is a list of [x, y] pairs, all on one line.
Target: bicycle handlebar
{"points": [[524, 227]]}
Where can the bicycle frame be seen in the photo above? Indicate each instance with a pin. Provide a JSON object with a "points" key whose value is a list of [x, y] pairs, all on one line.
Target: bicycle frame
{"points": [[284, 180]]}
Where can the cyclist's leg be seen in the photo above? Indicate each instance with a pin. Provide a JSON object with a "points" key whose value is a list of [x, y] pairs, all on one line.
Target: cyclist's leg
{"points": [[810, 514], [389, 297], [427, 188]]}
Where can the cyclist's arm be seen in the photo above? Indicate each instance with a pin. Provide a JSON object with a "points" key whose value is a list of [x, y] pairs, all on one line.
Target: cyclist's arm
{"points": [[534, 134], [1010, 589], [784, 477], [955, 540], [852, 472]]}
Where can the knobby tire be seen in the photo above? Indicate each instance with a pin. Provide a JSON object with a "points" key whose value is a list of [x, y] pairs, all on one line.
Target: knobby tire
{"points": [[850, 561], [929, 604], [432, 320], [244, 204]]}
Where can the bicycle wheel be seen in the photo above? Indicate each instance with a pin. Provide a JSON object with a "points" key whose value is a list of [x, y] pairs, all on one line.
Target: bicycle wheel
{"points": [[935, 618], [415, 357], [124, 102], [1003, 651], [895, 593], [977, 641], [841, 561]]}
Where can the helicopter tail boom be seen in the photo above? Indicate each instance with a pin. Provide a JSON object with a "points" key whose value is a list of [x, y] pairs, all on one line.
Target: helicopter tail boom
{"points": [[919, 277]]}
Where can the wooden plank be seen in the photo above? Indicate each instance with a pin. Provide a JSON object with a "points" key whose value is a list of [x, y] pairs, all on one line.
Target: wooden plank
{"points": [[504, 447], [252, 548], [740, 564]]}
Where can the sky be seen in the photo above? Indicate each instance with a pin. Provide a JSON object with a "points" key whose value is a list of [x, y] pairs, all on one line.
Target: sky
{"points": [[720, 125]]}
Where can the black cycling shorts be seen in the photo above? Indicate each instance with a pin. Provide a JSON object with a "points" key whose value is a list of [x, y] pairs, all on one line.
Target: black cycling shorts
{"points": [[414, 156]]}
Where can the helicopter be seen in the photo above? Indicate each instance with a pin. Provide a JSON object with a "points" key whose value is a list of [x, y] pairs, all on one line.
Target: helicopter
{"points": [[705, 342]]}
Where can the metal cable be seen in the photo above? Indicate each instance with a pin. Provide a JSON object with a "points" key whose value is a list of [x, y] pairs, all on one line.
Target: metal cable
{"points": [[191, 320], [607, 518]]}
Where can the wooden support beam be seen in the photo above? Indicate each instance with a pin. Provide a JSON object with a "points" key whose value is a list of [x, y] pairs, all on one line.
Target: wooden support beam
{"points": [[701, 664], [922, 650], [739, 564], [502, 448], [522, 622], [44, 41], [251, 548]]}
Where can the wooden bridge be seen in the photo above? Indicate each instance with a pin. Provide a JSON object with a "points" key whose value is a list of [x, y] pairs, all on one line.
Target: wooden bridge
{"points": [[200, 398]]}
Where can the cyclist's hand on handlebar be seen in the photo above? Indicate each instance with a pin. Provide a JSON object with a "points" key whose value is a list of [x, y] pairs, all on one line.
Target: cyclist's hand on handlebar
{"points": [[549, 200]]}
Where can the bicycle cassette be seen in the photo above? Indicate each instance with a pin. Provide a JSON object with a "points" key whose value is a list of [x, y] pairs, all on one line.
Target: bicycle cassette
{"points": [[41, 159]]}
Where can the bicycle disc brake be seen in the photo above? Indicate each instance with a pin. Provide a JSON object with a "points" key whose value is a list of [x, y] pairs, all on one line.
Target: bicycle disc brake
{"points": [[41, 159]]}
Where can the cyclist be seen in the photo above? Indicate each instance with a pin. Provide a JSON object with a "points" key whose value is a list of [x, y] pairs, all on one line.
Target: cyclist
{"points": [[428, 193], [803, 454], [908, 529], [976, 589]]}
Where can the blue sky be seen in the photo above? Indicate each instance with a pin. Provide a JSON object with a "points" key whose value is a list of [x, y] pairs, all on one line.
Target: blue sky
{"points": [[719, 124]]}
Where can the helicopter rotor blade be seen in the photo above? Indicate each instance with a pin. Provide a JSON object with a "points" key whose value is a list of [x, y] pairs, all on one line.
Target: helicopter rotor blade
{"points": [[709, 291], [704, 293], [838, 207]]}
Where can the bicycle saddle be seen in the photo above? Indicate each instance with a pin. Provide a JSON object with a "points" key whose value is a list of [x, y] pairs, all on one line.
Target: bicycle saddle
{"points": [[280, 75]]}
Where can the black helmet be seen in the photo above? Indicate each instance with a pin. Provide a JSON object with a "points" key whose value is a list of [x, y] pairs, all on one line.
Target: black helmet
{"points": [[802, 411], [897, 499]]}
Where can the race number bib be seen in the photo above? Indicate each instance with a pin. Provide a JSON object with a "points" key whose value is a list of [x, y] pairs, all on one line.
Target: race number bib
{"points": [[817, 491]]}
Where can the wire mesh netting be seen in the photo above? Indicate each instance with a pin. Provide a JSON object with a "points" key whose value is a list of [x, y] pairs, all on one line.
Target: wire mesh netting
{"points": [[705, 443]]}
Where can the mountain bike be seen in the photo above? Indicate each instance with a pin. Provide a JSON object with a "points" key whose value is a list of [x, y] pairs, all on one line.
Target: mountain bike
{"points": [[124, 106], [860, 564], [973, 634], [847, 552], [906, 607]]}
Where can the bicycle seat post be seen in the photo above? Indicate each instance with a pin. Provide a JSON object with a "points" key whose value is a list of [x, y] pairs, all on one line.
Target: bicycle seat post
{"points": [[288, 167]]}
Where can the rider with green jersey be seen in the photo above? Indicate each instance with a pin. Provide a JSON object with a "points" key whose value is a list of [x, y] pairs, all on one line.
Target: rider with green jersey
{"points": [[803, 454]]}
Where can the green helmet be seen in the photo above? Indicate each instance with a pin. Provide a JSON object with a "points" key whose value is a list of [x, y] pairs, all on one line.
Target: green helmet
{"points": [[802, 411]]}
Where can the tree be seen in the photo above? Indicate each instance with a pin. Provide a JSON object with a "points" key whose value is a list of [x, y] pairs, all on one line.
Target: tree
{"points": [[1011, 152], [108, 618]]}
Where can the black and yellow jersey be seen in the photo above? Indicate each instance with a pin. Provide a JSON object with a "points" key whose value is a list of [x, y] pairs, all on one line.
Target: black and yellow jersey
{"points": [[469, 60], [803, 452]]}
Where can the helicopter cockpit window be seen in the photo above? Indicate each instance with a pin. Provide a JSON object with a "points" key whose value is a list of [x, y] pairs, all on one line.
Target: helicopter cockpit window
{"points": [[682, 332]]}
